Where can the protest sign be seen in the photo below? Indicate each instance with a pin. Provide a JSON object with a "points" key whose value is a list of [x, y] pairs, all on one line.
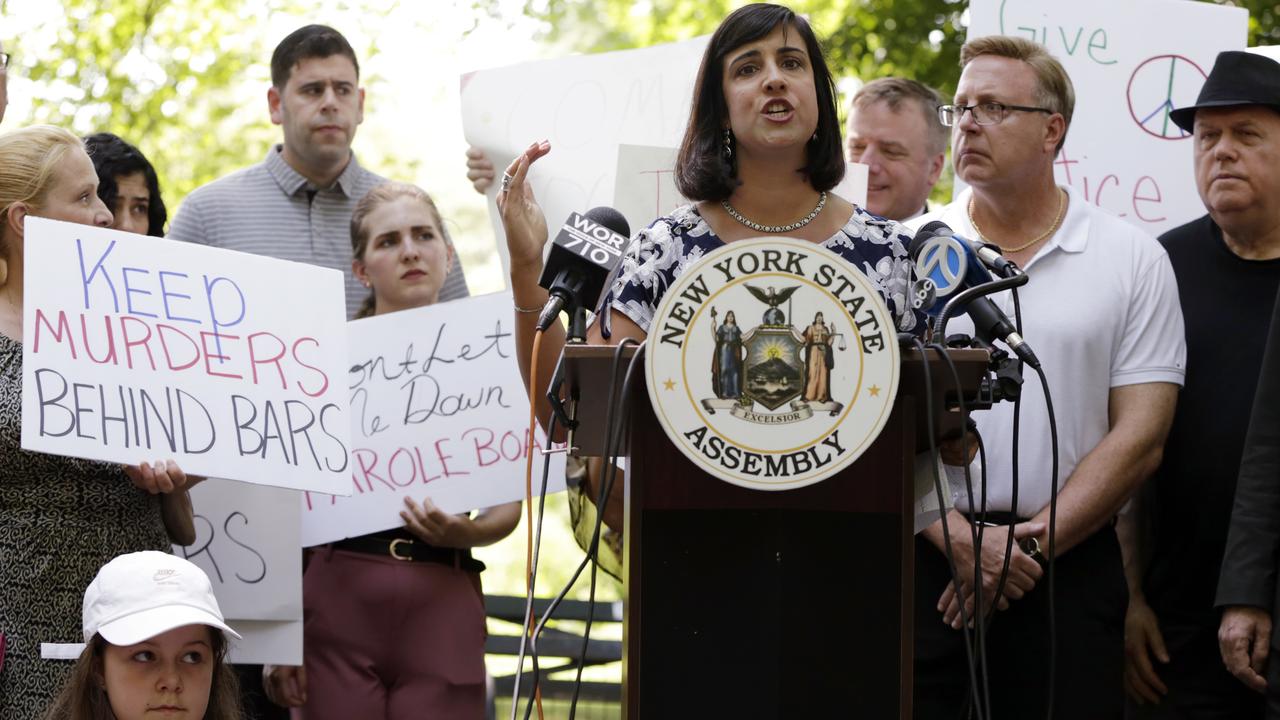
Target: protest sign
{"points": [[137, 348], [264, 642], [586, 106], [645, 186], [438, 410], [1131, 63], [247, 543]]}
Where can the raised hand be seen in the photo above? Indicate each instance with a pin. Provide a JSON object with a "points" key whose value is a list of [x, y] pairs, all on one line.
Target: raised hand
{"points": [[522, 218]]}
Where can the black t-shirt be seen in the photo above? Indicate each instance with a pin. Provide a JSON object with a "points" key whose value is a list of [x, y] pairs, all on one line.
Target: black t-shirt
{"points": [[1227, 303]]}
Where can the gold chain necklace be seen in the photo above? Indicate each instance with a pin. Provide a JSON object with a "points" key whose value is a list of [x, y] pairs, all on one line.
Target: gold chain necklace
{"points": [[1062, 207]]}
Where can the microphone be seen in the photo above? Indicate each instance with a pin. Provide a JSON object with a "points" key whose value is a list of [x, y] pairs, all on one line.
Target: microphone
{"points": [[584, 259], [946, 263], [949, 263], [987, 253]]}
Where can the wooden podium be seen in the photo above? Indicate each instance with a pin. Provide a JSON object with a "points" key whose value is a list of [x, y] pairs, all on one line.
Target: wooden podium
{"points": [[742, 603]]}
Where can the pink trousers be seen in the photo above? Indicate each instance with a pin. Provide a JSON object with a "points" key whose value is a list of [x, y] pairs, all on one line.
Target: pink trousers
{"points": [[385, 638]]}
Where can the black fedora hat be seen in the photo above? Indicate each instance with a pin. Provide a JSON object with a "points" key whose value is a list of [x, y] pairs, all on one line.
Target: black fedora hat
{"points": [[1237, 78]]}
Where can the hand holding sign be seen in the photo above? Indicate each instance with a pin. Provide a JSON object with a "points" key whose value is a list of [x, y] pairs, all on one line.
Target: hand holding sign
{"points": [[436, 526], [163, 477], [479, 169]]}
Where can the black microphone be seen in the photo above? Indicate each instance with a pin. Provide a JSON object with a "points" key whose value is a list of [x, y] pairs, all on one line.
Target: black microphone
{"points": [[950, 264], [584, 258], [986, 252]]}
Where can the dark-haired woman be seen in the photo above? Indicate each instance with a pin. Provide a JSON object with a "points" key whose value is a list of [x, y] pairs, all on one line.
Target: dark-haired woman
{"points": [[760, 155], [127, 185]]}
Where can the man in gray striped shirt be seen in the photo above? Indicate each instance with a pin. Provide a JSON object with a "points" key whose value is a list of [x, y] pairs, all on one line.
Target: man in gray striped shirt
{"points": [[296, 205]]}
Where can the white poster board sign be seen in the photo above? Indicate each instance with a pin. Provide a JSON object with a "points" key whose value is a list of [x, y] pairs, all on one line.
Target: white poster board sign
{"points": [[247, 543], [137, 348], [265, 642], [586, 106], [1131, 63], [645, 186], [438, 410]]}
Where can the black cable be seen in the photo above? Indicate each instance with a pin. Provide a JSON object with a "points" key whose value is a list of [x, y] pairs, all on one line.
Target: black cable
{"points": [[942, 512], [610, 445], [965, 296], [1013, 470], [976, 530], [605, 487], [1053, 522], [533, 579]]}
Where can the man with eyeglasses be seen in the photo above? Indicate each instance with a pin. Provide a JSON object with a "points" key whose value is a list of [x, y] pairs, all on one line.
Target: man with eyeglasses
{"points": [[1101, 309]]}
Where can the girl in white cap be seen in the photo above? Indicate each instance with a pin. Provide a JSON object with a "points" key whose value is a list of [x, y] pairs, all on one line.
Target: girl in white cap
{"points": [[155, 645]]}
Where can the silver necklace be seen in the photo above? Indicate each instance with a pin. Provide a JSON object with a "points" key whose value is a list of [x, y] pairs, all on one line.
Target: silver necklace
{"points": [[822, 201]]}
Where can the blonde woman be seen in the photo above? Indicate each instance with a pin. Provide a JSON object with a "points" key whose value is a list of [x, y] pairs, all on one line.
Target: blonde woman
{"points": [[61, 518], [395, 620]]}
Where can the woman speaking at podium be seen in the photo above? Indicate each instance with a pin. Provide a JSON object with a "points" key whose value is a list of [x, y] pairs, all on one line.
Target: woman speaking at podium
{"points": [[761, 152]]}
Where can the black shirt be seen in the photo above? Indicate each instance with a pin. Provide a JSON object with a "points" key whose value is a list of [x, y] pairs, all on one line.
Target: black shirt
{"points": [[1227, 303]]}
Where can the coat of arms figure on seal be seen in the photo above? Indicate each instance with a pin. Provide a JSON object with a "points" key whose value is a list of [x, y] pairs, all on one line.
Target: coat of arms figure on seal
{"points": [[773, 364]]}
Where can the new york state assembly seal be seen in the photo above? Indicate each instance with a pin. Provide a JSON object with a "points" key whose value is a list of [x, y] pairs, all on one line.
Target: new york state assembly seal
{"points": [[772, 363]]}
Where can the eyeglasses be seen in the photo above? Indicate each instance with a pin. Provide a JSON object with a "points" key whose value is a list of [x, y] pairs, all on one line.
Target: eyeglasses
{"points": [[987, 113]]}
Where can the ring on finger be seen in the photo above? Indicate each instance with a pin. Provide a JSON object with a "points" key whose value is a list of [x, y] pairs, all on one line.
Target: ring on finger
{"points": [[506, 181]]}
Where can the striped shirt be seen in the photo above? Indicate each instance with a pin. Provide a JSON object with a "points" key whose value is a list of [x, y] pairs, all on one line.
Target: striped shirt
{"points": [[270, 209]]}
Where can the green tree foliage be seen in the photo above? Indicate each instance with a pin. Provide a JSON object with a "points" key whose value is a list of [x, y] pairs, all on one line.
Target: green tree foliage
{"points": [[863, 38], [169, 76], [184, 80]]}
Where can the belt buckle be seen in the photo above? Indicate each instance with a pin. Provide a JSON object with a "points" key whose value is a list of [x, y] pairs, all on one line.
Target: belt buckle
{"points": [[391, 549]]}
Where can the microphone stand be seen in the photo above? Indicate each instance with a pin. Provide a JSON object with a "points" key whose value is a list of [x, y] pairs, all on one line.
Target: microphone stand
{"points": [[577, 333], [995, 286]]}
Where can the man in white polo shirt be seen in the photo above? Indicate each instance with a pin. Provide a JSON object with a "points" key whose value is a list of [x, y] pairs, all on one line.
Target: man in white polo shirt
{"points": [[1101, 310]]}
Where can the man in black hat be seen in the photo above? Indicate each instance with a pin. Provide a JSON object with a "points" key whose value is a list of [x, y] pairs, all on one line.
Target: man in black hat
{"points": [[1228, 268]]}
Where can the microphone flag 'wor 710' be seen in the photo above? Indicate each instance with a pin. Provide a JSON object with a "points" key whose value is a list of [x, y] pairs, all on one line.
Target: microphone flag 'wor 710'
{"points": [[584, 258]]}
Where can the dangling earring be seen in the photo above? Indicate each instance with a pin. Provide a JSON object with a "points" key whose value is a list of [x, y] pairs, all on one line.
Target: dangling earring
{"points": [[728, 144]]}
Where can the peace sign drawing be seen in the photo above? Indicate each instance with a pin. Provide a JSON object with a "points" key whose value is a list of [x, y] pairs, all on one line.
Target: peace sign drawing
{"points": [[1159, 85]]}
